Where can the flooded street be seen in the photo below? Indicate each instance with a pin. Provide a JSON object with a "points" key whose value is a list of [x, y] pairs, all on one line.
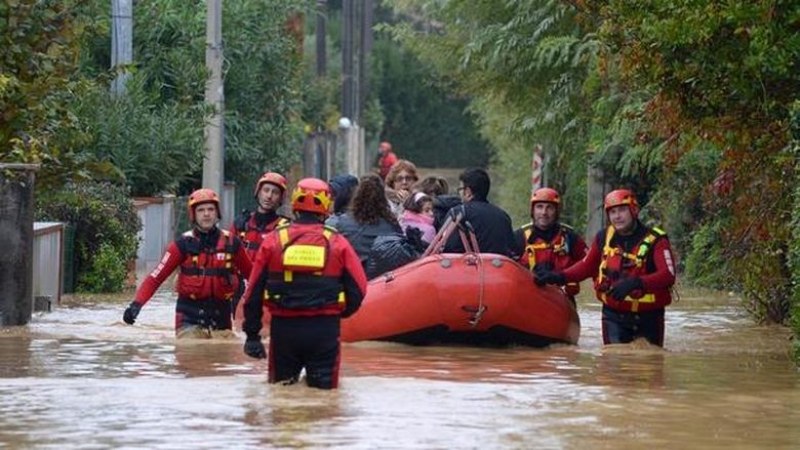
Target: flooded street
{"points": [[80, 378]]}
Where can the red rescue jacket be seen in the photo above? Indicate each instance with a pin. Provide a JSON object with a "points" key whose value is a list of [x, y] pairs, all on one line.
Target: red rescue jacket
{"points": [[562, 250], [304, 269], [205, 273], [247, 228], [646, 254]]}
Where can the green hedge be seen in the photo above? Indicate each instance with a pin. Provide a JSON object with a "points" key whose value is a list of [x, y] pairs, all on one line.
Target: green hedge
{"points": [[106, 227]]}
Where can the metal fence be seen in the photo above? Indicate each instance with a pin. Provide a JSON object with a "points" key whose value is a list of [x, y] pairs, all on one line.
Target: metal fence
{"points": [[48, 263]]}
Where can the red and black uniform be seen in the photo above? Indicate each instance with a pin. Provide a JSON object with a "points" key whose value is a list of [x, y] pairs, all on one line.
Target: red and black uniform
{"points": [[310, 277], [207, 281], [252, 226], [645, 254], [553, 249]]}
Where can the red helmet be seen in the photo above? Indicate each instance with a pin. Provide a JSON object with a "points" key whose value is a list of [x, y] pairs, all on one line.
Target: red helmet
{"points": [[271, 178], [201, 196], [312, 195], [545, 195], [622, 197]]}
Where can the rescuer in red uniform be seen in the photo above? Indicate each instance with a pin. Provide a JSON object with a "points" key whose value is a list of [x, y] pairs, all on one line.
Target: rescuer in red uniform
{"points": [[633, 270], [252, 226], [209, 259], [310, 277], [547, 244]]}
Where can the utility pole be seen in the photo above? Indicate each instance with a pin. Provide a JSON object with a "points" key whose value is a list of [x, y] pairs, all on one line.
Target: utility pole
{"points": [[348, 78], [322, 55], [213, 162], [121, 43], [364, 49], [363, 54]]}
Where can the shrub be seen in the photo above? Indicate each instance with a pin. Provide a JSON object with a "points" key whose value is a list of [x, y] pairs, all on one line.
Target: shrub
{"points": [[106, 227]]}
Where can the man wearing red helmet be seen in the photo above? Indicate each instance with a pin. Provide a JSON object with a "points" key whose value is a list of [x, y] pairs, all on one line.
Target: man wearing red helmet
{"points": [[633, 270], [386, 159], [209, 259], [546, 243], [252, 226], [310, 277]]}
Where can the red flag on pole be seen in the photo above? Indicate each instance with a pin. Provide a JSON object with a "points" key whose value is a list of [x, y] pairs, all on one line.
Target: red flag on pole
{"points": [[537, 163]]}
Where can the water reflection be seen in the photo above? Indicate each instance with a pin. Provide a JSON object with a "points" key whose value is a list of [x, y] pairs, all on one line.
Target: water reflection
{"points": [[79, 378]]}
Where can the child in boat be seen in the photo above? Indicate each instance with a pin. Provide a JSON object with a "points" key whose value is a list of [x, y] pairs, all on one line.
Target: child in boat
{"points": [[418, 213]]}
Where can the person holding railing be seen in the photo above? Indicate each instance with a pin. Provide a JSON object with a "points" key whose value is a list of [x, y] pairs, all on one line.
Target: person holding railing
{"points": [[490, 224]]}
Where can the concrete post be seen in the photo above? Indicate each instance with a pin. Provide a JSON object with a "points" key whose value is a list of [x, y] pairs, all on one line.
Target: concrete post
{"points": [[214, 161], [121, 43], [16, 240], [596, 191]]}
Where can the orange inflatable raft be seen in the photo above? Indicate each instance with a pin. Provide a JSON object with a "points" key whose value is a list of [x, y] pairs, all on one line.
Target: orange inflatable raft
{"points": [[470, 299]]}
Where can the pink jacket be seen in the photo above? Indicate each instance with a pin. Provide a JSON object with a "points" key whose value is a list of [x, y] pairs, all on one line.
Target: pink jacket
{"points": [[421, 221]]}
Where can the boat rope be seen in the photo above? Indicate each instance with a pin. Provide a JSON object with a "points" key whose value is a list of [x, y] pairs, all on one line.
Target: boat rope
{"points": [[474, 251], [437, 244]]}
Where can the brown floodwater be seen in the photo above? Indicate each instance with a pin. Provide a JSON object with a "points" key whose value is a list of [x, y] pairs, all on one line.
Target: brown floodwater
{"points": [[80, 378]]}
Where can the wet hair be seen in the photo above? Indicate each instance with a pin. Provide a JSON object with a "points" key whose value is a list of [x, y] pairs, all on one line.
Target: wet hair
{"points": [[400, 166], [415, 201], [433, 185], [369, 203], [477, 180]]}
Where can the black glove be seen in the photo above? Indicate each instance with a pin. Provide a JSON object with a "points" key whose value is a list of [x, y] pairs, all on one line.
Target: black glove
{"points": [[414, 237], [543, 267], [549, 277], [254, 348], [131, 313], [624, 287]]}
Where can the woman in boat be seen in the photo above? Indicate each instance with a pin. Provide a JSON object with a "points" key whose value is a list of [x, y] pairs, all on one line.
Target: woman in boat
{"points": [[399, 181], [368, 217]]}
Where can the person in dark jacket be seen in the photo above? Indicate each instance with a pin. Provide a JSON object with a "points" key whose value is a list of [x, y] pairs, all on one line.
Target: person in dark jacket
{"points": [[310, 277], [491, 225], [342, 189], [368, 217]]}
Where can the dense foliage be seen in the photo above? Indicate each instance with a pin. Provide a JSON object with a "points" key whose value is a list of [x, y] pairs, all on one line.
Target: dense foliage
{"points": [[686, 102]]}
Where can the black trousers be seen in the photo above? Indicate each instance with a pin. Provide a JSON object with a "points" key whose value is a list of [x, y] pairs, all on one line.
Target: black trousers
{"points": [[211, 314], [305, 342], [623, 327]]}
